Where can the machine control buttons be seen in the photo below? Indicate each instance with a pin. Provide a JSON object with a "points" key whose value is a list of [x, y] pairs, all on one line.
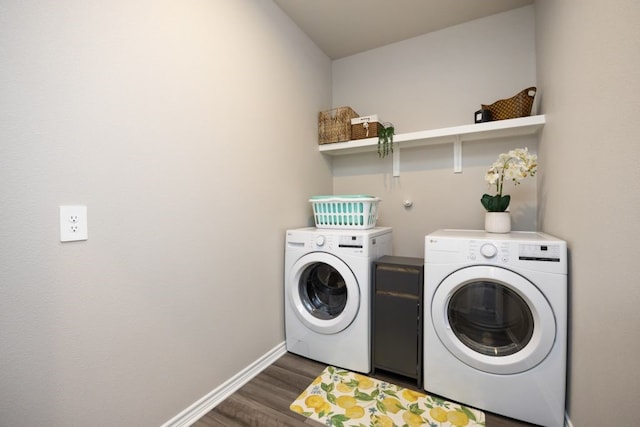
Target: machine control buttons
{"points": [[488, 250], [320, 240]]}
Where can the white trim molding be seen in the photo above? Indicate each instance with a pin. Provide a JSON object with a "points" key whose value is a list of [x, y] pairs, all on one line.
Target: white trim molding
{"points": [[205, 404], [567, 421], [212, 399]]}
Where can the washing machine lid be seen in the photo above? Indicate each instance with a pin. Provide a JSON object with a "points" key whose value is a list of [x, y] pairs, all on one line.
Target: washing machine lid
{"points": [[493, 319], [323, 292]]}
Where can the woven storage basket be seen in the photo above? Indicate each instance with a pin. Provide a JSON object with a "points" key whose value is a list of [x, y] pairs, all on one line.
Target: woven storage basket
{"points": [[335, 125], [358, 212], [365, 130], [516, 106]]}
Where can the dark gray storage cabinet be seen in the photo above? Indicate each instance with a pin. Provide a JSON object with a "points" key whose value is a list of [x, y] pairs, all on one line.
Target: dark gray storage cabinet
{"points": [[397, 312]]}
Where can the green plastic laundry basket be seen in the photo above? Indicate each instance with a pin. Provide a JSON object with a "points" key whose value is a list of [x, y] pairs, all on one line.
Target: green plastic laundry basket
{"points": [[356, 211]]}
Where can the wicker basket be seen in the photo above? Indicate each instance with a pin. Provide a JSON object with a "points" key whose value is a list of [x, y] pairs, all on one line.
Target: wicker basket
{"points": [[365, 130], [516, 106], [335, 125]]}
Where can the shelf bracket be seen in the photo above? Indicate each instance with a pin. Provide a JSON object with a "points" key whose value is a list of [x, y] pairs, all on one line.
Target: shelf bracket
{"points": [[395, 156], [457, 155]]}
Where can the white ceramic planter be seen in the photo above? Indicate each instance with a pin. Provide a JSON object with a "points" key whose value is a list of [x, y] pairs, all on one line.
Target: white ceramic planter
{"points": [[497, 222]]}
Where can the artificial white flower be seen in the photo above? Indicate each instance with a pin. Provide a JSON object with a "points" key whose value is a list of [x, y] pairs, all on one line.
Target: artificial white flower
{"points": [[513, 166]]}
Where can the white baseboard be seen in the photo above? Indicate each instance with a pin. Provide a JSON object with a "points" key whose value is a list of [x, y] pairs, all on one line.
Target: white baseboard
{"points": [[198, 409], [205, 404], [567, 421]]}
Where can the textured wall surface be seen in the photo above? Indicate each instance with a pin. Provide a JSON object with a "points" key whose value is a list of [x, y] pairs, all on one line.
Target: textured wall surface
{"points": [[435, 81], [189, 131], [589, 193]]}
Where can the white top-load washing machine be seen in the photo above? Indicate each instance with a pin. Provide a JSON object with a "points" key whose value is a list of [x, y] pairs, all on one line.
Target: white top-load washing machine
{"points": [[327, 287], [495, 332]]}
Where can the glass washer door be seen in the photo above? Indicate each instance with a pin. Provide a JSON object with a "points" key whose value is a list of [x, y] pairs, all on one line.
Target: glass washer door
{"points": [[324, 292], [493, 319]]}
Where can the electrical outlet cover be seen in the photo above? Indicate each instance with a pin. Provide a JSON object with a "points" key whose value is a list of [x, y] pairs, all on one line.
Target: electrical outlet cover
{"points": [[73, 223]]}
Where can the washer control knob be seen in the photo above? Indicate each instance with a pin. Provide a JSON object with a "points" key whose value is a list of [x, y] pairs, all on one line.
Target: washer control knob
{"points": [[320, 240], [488, 250]]}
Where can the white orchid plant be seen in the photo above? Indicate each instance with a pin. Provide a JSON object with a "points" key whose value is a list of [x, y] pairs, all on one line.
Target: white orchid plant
{"points": [[515, 166]]}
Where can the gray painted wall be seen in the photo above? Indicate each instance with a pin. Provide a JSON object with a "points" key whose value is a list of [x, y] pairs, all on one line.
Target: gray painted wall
{"points": [[429, 82], [589, 193], [189, 130], [583, 56], [172, 130]]}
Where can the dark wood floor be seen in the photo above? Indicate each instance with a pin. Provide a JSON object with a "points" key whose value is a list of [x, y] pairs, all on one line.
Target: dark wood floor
{"points": [[264, 401]]}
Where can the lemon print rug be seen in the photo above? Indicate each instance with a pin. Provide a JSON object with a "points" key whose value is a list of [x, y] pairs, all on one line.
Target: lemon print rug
{"points": [[342, 398]]}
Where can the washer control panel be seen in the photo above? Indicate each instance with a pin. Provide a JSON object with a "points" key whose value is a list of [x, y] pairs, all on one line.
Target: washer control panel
{"points": [[373, 242], [501, 251], [329, 241], [488, 250], [539, 252], [479, 250], [530, 250]]}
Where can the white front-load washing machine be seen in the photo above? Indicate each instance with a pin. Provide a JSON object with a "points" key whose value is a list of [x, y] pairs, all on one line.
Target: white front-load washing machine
{"points": [[495, 336], [327, 287]]}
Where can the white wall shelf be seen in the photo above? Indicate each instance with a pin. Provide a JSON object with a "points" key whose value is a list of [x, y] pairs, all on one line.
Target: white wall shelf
{"points": [[474, 132]]}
